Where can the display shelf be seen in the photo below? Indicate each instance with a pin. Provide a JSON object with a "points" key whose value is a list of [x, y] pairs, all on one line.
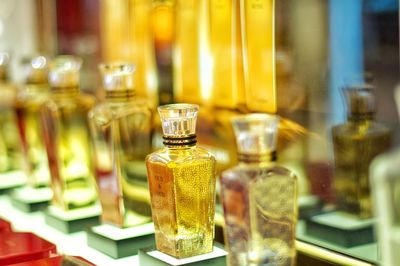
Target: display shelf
{"points": [[71, 244], [75, 243]]}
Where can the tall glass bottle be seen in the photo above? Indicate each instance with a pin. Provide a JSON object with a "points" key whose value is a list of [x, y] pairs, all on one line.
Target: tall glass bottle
{"points": [[258, 29], [121, 138], [226, 51], [66, 134], [182, 186], [385, 188], [355, 144], [10, 149], [259, 197], [28, 104]]}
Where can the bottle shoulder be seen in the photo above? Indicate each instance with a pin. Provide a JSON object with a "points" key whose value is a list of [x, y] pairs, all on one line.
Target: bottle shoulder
{"points": [[254, 171], [82, 102], [356, 130], [179, 156]]}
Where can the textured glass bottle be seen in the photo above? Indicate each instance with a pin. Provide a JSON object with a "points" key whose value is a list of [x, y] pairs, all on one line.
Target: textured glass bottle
{"points": [[182, 186], [10, 150], [28, 104], [66, 132], [355, 144], [121, 128], [259, 198]]}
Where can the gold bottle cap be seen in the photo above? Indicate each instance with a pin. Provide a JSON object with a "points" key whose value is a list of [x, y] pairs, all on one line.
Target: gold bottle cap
{"points": [[118, 76], [256, 134], [178, 120], [360, 99], [36, 69], [64, 71]]}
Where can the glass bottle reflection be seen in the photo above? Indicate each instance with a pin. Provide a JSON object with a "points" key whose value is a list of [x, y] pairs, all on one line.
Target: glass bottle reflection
{"points": [[355, 144], [182, 186], [259, 197], [29, 101], [66, 131], [121, 128], [10, 150]]}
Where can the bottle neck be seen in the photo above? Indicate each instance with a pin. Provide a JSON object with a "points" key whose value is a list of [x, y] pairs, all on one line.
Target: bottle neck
{"points": [[120, 95], [257, 158], [360, 117], [180, 142], [66, 91]]}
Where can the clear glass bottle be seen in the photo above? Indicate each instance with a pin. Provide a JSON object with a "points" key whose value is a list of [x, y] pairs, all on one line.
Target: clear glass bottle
{"points": [[67, 137], [385, 189], [28, 104], [258, 36], [10, 148], [182, 186], [259, 197], [121, 137], [355, 144]]}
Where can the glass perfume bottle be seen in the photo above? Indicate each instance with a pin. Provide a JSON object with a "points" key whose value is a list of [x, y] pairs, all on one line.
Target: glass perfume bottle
{"points": [[121, 137], [258, 20], [355, 144], [66, 133], [10, 149], [259, 197], [28, 104], [182, 186], [126, 35], [226, 50], [385, 189]]}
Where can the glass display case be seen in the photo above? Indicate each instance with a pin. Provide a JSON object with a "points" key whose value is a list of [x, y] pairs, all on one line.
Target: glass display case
{"points": [[290, 58]]}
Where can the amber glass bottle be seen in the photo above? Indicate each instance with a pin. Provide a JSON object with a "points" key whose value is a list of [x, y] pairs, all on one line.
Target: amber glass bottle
{"points": [[121, 138], [28, 104], [66, 133], [10, 149], [259, 197], [182, 186], [355, 144]]}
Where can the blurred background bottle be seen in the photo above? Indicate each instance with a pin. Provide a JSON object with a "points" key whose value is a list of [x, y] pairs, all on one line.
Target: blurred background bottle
{"points": [[355, 144], [121, 137], [29, 101], [66, 134]]}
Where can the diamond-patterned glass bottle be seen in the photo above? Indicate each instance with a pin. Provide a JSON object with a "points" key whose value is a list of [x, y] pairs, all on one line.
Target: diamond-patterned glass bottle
{"points": [[182, 186], [259, 197]]}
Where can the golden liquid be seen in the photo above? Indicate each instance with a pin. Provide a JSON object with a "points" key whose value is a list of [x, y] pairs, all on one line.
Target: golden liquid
{"points": [[126, 36], [121, 138], [259, 54], [187, 51], [10, 149], [260, 209], [355, 146], [183, 204], [66, 132], [28, 114], [225, 47]]}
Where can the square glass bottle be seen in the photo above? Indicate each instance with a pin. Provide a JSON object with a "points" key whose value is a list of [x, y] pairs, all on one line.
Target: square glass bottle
{"points": [[259, 197], [182, 186], [121, 137], [28, 104], [10, 148], [67, 137], [355, 144]]}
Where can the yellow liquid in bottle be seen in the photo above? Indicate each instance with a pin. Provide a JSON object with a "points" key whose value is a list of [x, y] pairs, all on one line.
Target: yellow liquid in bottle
{"points": [[183, 199]]}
